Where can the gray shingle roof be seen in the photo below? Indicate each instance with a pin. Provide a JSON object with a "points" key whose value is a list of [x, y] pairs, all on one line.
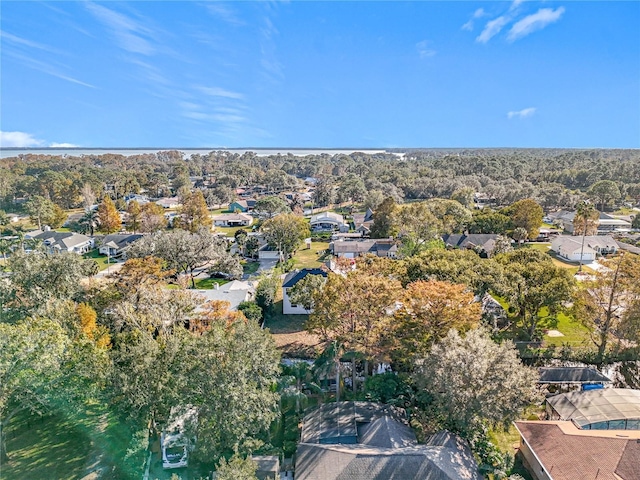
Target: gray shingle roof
{"points": [[294, 277]]}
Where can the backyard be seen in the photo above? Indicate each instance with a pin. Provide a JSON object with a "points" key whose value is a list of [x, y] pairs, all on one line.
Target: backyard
{"points": [[311, 257]]}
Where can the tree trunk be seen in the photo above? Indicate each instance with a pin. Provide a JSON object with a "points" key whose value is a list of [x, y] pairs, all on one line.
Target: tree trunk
{"points": [[353, 374], [338, 380], [366, 374]]}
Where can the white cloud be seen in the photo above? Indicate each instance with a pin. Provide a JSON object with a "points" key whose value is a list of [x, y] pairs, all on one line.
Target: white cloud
{"points": [[63, 145], [524, 113], [224, 12], [45, 68], [127, 31], [479, 13], [424, 49], [534, 22], [492, 28], [220, 92], [468, 26], [18, 139], [27, 43]]}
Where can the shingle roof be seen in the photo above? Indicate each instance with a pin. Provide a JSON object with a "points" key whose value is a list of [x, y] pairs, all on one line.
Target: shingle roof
{"points": [[571, 375], [485, 240], [294, 277], [121, 240], [574, 455], [386, 447], [62, 239]]}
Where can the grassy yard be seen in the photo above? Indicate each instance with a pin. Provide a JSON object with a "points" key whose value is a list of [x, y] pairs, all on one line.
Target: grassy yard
{"points": [[230, 231], [572, 267], [208, 283], [311, 258], [289, 333], [101, 260], [71, 446], [249, 268], [575, 334]]}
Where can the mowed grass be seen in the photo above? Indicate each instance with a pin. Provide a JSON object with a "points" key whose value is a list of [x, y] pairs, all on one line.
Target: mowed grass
{"points": [[574, 332], [209, 283], [289, 333], [572, 267], [78, 444], [312, 257], [101, 260]]}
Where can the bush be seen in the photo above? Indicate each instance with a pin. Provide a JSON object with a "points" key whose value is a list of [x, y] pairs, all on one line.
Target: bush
{"points": [[251, 310]]}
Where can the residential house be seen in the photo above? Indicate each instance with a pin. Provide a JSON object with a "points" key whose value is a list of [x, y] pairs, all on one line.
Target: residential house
{"points": [[57, 242], [141, 199], [232, 220], [234, 292], [570, 247], [289, 282], [168, 202], [383, 247], [481, 200], [114, 245], [328, 222], [557, 450], [606, 223], [268, 467], [483, 243], [372, 441], [363, 222], [242, 206]]}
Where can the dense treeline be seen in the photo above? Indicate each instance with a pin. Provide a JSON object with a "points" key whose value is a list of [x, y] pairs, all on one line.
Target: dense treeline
{"points": [[556, 178]]}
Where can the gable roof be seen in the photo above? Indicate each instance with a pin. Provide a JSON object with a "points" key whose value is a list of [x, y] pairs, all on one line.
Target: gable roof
{"points": [[120, 240], [295, 276], [370, 441], [62, 240], [571, 375], [460, 240], [567, 453]]}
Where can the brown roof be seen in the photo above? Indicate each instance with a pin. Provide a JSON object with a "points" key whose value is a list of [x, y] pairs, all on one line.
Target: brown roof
{"points": [[568, 453]]}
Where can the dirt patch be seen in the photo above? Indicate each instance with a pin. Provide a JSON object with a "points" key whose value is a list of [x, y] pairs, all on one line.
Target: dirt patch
{"points": [[554, 333]]}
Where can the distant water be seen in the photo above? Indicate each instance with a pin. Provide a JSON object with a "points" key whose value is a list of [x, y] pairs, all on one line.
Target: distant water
{"points": [[186, 152]]}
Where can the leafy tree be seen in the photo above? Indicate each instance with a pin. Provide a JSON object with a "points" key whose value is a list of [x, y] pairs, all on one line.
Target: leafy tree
{"points": [[40, 209], [472, 379], [251, 310], [533, 281], [134, 212], [89, 222], [285, 233], [464, 196], [429, 310], [526, 214], [88, 197], [304, 292], [152, 218], [372, 200], [266, 292], [4, 218], [356, 311], [269, 207], [604, 192], [416, 227], [251, 247], [384, 219], [237, 468], [452, 215], [194, 214], [241, 239], [502, 245], [609, 304], [109, 220], [635, 223], [185, 252], [323, 194], [520, 234], [488, 221], [351, 189]]}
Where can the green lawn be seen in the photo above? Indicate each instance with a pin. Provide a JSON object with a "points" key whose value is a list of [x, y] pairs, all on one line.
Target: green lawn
{"points": [[575, 334], [230, 231], [249, 268], [208, 283], [101, 260], [69, 446], [572, 267], [311, 258]]}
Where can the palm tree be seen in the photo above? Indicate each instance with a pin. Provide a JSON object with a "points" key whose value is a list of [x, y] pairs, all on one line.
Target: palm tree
{"points": [[329, 360], [586, 213], [89, 221]]}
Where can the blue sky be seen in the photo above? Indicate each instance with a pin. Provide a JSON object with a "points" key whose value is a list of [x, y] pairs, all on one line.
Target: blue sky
{"points": [[320, 74]]}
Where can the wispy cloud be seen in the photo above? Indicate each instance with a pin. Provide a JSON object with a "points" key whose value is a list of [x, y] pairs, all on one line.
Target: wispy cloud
{"points": [[224, 12], [534, 22], [479, 13], [524, 113], [45, 68], [27, 43], [425, 49], [220, 92], [63, 145], [492, 28], [19, 139], [128, 32]]}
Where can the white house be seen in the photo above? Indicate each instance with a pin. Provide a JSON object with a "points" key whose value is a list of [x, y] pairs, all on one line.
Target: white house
{"points": [[57, 242], [113, 245], [232, 220], [594, 245], [289, 282], [328, 221]]}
